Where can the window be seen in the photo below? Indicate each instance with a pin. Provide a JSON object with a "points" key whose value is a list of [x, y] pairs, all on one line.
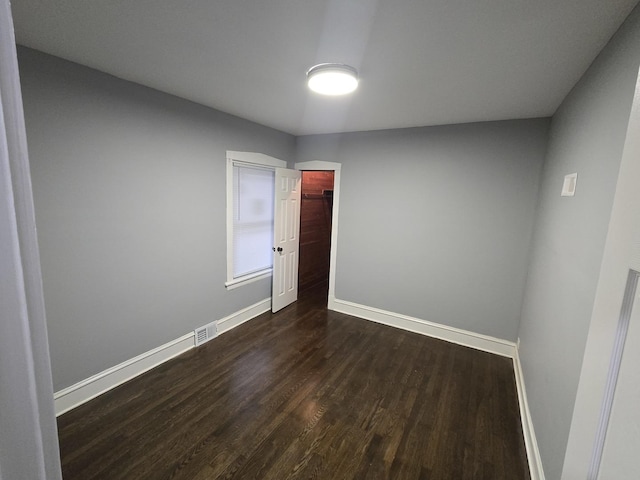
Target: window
{"points": [[252, 219], [250, 197]]}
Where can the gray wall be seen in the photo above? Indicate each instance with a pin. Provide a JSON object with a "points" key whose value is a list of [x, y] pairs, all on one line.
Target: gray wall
{"points": [[435, 222], [129, 188], [587, 137]]}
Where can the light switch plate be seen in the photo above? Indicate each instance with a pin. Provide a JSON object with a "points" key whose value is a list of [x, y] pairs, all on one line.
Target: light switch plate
{"points": [[569, 185]]}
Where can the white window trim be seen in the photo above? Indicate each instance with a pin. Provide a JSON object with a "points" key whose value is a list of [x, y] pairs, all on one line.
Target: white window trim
{"points": [[248, 158]]}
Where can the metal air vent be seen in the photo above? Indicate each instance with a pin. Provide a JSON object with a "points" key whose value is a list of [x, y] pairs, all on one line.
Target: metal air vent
{"points": [[206, 333]]}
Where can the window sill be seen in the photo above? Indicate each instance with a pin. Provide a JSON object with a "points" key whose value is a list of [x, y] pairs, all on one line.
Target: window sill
{"points": [[252, 277]]}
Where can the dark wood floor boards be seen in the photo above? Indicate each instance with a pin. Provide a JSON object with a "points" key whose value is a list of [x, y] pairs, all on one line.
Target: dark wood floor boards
{"points": [[293, 390], [305, 393]]}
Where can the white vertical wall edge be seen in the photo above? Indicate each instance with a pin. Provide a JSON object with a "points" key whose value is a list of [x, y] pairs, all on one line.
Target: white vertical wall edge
{"points": [[530, 442], [465, 338], [85, 390]]}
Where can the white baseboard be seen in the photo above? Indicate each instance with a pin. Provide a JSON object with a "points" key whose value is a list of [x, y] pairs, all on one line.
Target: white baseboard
{"points": [[85, 390], [530, 441], [485, 343], [238, 318]]}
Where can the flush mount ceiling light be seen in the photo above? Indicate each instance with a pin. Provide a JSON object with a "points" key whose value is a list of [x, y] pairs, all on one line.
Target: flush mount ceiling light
{"points": [[332, 79]]}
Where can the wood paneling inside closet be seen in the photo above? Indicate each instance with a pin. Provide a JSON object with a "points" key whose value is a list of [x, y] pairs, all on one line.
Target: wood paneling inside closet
{"points": [[315, 228]]}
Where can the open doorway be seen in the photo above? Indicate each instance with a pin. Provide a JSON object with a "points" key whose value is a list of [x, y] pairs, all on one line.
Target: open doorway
{"points": [[316, 210], [335, 167]]}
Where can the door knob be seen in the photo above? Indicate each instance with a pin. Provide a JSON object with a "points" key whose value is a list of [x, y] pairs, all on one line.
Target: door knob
{"points": [[279, 249]]}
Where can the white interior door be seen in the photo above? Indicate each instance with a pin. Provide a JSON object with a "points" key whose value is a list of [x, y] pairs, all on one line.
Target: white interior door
{"points": [[286, 242]]}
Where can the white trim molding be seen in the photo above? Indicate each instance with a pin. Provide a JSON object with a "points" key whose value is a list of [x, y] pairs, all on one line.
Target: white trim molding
{"points": [[466, 338], [253, 277], [254, 159], [85, 390], [232, 321], [530, 441]]}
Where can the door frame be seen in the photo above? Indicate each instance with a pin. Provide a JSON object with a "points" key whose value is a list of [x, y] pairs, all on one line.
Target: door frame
{"points": [[335, 167]]}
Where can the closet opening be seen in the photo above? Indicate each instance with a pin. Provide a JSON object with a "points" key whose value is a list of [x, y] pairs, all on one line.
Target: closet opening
{"points": [[316, 207]]}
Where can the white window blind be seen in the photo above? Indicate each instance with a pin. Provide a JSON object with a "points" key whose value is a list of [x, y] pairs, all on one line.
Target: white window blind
{"points": [[252, 219]]}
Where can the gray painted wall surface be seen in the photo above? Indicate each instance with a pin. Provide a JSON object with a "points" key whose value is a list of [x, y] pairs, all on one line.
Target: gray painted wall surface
{"points": [[129, 187], [621, 252], [435, 222], [587, 137]]}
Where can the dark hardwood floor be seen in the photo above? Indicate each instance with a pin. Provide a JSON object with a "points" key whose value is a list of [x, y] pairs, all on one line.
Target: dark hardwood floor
{"points": [[305, 393]]}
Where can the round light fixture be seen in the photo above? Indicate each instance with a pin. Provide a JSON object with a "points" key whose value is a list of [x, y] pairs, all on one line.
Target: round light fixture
{"points": [[332, 79]]}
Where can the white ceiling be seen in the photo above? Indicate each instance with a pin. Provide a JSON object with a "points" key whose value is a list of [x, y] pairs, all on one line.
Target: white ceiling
{"points": [[421, 62]]}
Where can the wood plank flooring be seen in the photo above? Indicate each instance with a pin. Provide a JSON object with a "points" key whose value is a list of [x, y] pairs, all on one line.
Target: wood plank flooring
{"points": [[306, 394]]}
